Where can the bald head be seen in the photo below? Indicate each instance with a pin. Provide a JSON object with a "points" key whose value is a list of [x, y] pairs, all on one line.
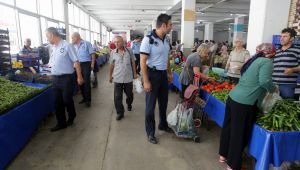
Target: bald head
{"points": [[27, 42], [76, 38], [119, 42]]}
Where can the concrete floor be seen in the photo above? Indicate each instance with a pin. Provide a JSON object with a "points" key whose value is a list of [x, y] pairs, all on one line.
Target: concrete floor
{"points": [[98, 142]]}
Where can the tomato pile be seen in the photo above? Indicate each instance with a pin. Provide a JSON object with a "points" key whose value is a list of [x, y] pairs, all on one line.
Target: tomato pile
{"points": [[214, 86]]}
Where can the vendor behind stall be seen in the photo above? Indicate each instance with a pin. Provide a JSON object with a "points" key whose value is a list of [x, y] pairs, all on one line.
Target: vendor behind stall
{"points": [[27, 49]]}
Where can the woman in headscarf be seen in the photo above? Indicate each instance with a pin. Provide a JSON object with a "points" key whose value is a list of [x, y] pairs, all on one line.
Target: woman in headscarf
{"points": [[242, 105]]}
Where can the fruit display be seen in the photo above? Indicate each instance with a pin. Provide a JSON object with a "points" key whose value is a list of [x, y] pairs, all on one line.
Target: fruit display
{"points": [[215, 86], [284, 116], [13, 94], [103, 51], [176, 68], [221, 94], [213, 75]]}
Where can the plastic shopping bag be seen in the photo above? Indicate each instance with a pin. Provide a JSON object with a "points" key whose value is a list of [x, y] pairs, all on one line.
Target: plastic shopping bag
{"points": [[173, 115], [138, 87], [185, 123], [92, 76], [269, 101]]}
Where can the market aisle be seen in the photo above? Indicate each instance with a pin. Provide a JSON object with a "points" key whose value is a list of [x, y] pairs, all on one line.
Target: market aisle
{"points": [[98, 142]]}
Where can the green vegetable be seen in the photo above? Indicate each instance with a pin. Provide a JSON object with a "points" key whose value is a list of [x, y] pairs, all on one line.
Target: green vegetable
{"points": [[221, 95], [284, 116], [13, 94]]}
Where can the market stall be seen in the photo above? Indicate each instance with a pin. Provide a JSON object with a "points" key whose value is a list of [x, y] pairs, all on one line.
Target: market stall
{"points": [[21, 115], [267, 147]]}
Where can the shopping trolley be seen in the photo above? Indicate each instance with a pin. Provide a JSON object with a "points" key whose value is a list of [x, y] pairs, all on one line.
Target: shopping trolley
{"points": [[190, 112]]}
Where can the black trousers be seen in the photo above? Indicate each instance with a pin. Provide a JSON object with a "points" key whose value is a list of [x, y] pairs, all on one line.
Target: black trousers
{"points": [[237, 128], [96, 70], [137, 63], [159, 92], [118, 96], [183, 88], [63, 93], [86, 74]]}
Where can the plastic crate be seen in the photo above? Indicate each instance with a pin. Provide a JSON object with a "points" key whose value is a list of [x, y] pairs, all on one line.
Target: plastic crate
{"points": [[28, 78]]}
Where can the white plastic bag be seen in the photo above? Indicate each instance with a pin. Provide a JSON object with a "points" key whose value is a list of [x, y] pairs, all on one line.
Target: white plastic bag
{"points": [[269, 101], [138, 87], [172, 117], [92, 76]]}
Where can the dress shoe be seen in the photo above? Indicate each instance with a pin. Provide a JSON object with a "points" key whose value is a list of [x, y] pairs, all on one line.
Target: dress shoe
{"points": [[58, 127], [129, 108], [119, 117], [166, 129], [152, 139], [82, 101]]}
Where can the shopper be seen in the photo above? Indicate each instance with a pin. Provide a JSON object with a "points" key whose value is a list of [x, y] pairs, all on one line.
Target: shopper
{"points": [[192, 67], [241, 106], [136, 45], [287, 64], [64, 58], [86, 57], [236, 59], [179, 58], [156, 74], [122, 70]]}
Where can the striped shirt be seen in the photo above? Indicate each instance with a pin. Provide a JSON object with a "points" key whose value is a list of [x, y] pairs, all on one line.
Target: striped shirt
{"points": [[288, 58]]}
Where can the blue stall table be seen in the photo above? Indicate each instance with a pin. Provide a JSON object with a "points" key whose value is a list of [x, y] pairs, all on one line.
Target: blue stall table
{"points": [[176, 81], [265, 146], [18, 124]]}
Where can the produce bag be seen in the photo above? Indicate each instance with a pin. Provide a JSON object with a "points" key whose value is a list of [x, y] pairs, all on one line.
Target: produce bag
{"points": [[172, 116], [92, 76], [138, 87], [269, 101], [185, 122]]}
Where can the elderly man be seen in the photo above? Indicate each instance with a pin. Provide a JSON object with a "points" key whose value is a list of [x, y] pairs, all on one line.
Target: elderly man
{"points": [[86, 57], [26, 48], [64, 58], [122, 70]]}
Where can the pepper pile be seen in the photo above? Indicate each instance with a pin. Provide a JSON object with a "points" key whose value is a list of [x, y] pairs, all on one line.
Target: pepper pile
{"points": [[13, 94], [176, 68], [284, 116]]}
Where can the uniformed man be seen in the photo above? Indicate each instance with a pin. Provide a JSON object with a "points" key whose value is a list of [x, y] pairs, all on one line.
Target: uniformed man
{"points": [[156, 74], [87, 58], [136, 45], [64, 58], [121, 72]]}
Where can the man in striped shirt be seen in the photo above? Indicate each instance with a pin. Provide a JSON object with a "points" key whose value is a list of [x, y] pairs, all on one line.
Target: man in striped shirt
{"points": [[287, 64]]}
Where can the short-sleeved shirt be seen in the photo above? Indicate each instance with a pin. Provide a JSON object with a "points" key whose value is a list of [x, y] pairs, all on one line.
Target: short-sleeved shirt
{"points": [[187, 74], [84, 51], [63, 57], [236, 61], [157, 50], [122, 66], [288, 58], [136, 47]]}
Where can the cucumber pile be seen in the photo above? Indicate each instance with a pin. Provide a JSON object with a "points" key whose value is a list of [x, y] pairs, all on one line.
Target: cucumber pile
{"points": [[284, 116]]}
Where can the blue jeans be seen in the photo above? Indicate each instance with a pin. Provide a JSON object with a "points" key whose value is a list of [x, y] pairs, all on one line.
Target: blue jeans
{"points": [[287, 91]]}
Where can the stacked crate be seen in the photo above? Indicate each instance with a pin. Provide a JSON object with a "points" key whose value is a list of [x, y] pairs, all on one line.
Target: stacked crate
{"points": [[5, 58]]}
